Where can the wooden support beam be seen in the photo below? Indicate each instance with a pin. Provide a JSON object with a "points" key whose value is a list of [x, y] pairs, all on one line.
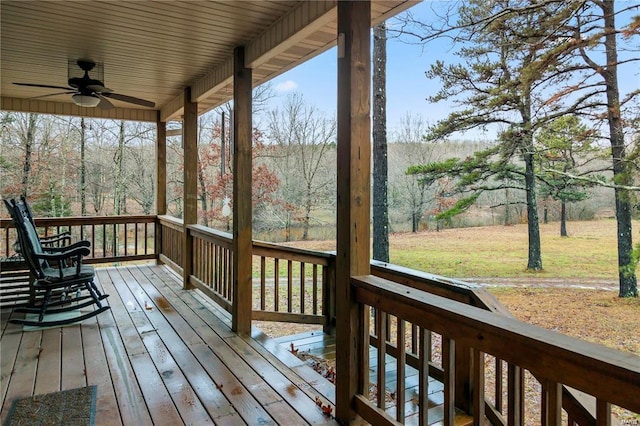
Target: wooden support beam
{"points": [[161, 180], [353, 210], [190, 194], [242, 208], [161, 168]]}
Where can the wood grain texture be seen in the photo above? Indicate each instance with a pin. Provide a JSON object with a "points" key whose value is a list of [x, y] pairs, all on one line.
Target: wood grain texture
{"points": [[242, 190], [353, 207], [190, 189]]}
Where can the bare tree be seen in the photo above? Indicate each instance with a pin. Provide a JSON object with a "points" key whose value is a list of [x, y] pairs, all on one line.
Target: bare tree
{"points": [[408, 192], [305, 138]]}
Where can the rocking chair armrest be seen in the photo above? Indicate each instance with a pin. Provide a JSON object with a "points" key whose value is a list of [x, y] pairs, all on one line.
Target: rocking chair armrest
{"points": [[83, 243], [50, 239], [78, 252], [62, 258]]}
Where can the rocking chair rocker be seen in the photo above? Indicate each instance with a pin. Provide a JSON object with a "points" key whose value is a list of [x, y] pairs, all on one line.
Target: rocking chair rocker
{"points": [[58, 287]]}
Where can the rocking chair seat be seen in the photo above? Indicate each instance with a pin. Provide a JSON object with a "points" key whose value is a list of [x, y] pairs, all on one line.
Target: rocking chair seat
{"points": [[53, 274]]}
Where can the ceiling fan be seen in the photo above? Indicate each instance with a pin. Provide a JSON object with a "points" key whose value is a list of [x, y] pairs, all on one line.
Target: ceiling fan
{"points": [[88, 92]]}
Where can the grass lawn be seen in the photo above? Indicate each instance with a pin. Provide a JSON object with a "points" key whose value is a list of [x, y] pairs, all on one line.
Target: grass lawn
{"points": [[590, 251]]}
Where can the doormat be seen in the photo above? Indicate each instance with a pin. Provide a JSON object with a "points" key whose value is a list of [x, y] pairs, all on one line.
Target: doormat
{"points": [[71, 407]]}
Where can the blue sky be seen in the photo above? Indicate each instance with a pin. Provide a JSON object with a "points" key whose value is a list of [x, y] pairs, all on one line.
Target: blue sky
{"points": [[407, 85]]}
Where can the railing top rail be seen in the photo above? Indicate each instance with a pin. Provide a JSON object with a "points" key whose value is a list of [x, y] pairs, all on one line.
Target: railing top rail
{"points": [[469, 293], [84, 220], [168, 218], [273, 249], [605, 373]]}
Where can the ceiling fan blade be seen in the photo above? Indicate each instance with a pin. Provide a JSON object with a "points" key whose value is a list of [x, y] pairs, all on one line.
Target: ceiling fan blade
{"points": [[44, 85], [52, 94], [130, 99], [104, 103]]}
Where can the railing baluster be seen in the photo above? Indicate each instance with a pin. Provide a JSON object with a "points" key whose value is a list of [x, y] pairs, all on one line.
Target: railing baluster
{"points": [[381, 331], [449, 380], [424, 349], [515, 391], [276, 280], [135, 238], [263, 283], [414, 339], [401, 370], [302, 293], [551, 404], [603, 413], [315, 289], [478, 387], [226, 271], [289, 284], [498, 385]]}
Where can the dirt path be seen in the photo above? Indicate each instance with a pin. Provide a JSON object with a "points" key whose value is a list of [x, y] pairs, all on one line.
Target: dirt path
{"points": [[586, 283]]}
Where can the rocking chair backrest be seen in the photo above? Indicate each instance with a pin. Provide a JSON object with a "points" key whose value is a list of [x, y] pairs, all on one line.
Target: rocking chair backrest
{"points": [[24, 208], [28, 238]]}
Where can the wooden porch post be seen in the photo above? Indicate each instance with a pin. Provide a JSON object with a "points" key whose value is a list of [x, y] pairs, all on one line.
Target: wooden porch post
{"points": [[161, 180], [161, 167], [353, 211], [190, 196], [242, 209]]}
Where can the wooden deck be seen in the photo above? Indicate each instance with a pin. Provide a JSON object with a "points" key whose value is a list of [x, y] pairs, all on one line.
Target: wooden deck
{"points": [[320, 345], [165, 356]]}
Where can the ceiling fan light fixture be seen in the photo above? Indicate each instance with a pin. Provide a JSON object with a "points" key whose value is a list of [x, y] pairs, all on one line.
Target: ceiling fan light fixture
{"points": [[89, 101]]}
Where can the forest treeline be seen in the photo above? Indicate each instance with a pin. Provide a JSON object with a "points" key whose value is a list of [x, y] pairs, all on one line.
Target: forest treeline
{"points": [[294, 193]]}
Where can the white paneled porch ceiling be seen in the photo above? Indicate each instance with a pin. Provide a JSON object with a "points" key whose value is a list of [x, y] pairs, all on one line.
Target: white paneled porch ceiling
{"points": [[154, 50]]}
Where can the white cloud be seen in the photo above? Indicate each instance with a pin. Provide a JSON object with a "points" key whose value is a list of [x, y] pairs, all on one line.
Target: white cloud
{"points": [[286, 86]]}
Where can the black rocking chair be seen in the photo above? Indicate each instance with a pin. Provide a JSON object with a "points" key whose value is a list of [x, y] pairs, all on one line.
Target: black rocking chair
{"points": [[61, 282]]}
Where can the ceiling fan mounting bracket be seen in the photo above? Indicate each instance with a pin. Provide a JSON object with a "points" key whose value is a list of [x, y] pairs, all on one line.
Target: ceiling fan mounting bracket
{"points": [[85, 64]]}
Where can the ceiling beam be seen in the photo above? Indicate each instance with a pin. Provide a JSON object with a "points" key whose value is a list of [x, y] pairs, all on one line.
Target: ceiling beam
{"points": [[173, 110], [61, 108]]}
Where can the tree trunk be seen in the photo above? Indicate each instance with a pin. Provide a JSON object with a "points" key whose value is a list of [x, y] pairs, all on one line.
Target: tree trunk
{"points": [[507, 211], [563, 218], [380, 175], [307, 212], [535, 253], [119, 160], [203, 192], [621, 173], [28, 150], [83, 168]]}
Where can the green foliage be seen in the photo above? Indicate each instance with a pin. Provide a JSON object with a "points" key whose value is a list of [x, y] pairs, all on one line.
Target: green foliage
{"points": [[53, 205], [565, 146], [461, 206]]}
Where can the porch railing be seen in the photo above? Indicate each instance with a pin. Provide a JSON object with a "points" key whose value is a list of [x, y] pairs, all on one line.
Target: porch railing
{"points": [[113, 238], [611, 376], [290, 285], [456, 332]]}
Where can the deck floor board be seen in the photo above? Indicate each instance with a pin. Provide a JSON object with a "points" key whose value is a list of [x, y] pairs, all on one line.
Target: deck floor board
{"points": [[160, 355]]}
